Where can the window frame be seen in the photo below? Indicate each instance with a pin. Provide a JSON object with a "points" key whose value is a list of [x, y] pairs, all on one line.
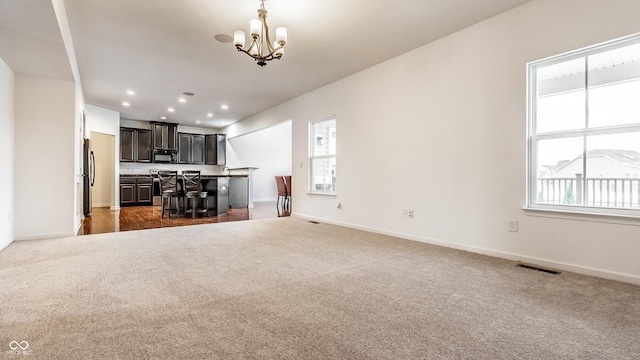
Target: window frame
{"points": [[312, 135], [532, 137]]}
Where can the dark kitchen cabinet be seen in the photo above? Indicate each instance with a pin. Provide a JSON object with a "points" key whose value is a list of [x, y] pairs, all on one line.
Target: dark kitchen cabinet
{"points": [[197, 149], [143, 148], [127, 144], [190, 148], [135, 145], [184, 148], [216, 149], [144, 191], [136, 191], [164, 135], [127, 191]]}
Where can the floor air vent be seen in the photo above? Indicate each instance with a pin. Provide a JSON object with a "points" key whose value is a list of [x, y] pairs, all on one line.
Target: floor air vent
{"points": [[533, 267], [314, 222]]}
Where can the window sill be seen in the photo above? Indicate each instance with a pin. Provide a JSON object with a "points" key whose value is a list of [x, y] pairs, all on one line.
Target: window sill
{"points": [[327, 194], [579, 214]]}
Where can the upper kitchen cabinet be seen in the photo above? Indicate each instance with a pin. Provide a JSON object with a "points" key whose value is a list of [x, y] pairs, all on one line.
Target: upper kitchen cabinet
{"points": [[184, 148], [164, 135], [127, 148], [143, 148], [197, 152], [216, 149], [135, 145], [190, 148]]}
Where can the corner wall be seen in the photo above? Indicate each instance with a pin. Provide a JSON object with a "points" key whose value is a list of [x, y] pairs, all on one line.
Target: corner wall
{"points": [[6, 160], [45, 157], [441, 130]]}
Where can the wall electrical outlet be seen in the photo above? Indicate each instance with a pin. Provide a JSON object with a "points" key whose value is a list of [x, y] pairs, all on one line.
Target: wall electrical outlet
{"points": [[513, 225], [406, 213]]}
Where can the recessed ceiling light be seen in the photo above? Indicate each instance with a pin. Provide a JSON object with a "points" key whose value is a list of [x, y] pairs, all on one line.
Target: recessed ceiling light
{"points": [[182, 100], [188, 93], [224, 107], [125, 104], [171, 109], [209, 115], [131, 92], [197, 121], [163, 118]]}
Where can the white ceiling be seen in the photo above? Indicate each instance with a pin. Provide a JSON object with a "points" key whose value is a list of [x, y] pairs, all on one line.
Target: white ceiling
{"points": [[163, 48]]}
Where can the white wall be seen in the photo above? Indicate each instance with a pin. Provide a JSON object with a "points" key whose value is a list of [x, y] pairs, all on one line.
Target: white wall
{"points": [[45, 166], [6, 160], [441, 130], [270, 151], [100, 120]]}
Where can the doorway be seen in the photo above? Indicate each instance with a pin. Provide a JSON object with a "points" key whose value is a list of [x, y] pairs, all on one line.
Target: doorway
{"points": [[267, 149], [103, 147]]}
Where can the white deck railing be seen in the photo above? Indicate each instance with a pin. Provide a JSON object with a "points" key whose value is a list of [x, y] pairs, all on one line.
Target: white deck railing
{"points": [[600, 192]]}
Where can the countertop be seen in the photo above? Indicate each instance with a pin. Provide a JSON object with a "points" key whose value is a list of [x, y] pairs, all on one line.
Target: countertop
{"points": [[201, 176]]}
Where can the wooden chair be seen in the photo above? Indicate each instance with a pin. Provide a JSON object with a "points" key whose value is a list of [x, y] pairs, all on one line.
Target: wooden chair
{"points": [[289, 187], [191, 188], [282, 191], [169, 190]]}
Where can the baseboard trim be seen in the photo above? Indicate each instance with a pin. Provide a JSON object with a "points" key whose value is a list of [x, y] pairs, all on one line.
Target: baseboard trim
{"points": [[578, 269], [44, 236], [114, 208]]}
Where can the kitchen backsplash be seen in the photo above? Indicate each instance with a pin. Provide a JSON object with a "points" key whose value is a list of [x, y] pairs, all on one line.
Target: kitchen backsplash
{"points": [[143, 168]]}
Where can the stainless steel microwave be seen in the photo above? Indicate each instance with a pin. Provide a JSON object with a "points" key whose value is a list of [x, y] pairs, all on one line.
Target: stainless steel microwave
{"points": [[165, 156]]}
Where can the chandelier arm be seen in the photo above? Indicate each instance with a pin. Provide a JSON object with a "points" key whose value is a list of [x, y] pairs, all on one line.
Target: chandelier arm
{"points": [[254, 44], [258, 58], [266, 35]]}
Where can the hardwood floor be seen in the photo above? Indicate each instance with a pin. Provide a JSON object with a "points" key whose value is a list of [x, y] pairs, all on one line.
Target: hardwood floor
{"points": [[103, 220]]}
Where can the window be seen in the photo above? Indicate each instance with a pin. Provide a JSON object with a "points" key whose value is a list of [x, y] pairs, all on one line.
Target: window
{"points": [[584, 130], [322, 156]]}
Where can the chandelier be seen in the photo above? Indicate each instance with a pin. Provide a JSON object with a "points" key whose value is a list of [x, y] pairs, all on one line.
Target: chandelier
{"points": [[261, 48]]}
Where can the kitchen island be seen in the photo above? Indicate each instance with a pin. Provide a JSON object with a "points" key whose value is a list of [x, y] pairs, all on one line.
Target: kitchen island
{"points": [[223, 191]]}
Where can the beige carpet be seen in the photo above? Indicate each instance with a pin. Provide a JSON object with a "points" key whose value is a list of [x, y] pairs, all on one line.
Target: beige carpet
{"points": [[289, 289]]}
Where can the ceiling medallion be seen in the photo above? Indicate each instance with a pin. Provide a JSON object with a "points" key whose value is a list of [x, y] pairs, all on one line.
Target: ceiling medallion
{"points": [[261, 48]]}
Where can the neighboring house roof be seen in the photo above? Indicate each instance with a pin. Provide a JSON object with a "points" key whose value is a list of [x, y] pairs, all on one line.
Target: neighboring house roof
{"points": [[624, 157], [560, 164]]}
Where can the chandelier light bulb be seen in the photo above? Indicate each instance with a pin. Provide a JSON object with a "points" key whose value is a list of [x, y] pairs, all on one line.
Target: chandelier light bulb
{"points": [[255, 28], [253, 51], [281, 35], [239, 38]]}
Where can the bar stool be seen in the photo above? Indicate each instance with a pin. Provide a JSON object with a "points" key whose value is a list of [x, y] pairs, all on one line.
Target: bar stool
{"points": [[203, 207], [191, 187], [169, 190]]}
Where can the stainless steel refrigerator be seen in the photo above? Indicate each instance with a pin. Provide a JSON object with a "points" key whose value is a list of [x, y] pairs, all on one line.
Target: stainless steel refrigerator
{"points": [[88, 176]]}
